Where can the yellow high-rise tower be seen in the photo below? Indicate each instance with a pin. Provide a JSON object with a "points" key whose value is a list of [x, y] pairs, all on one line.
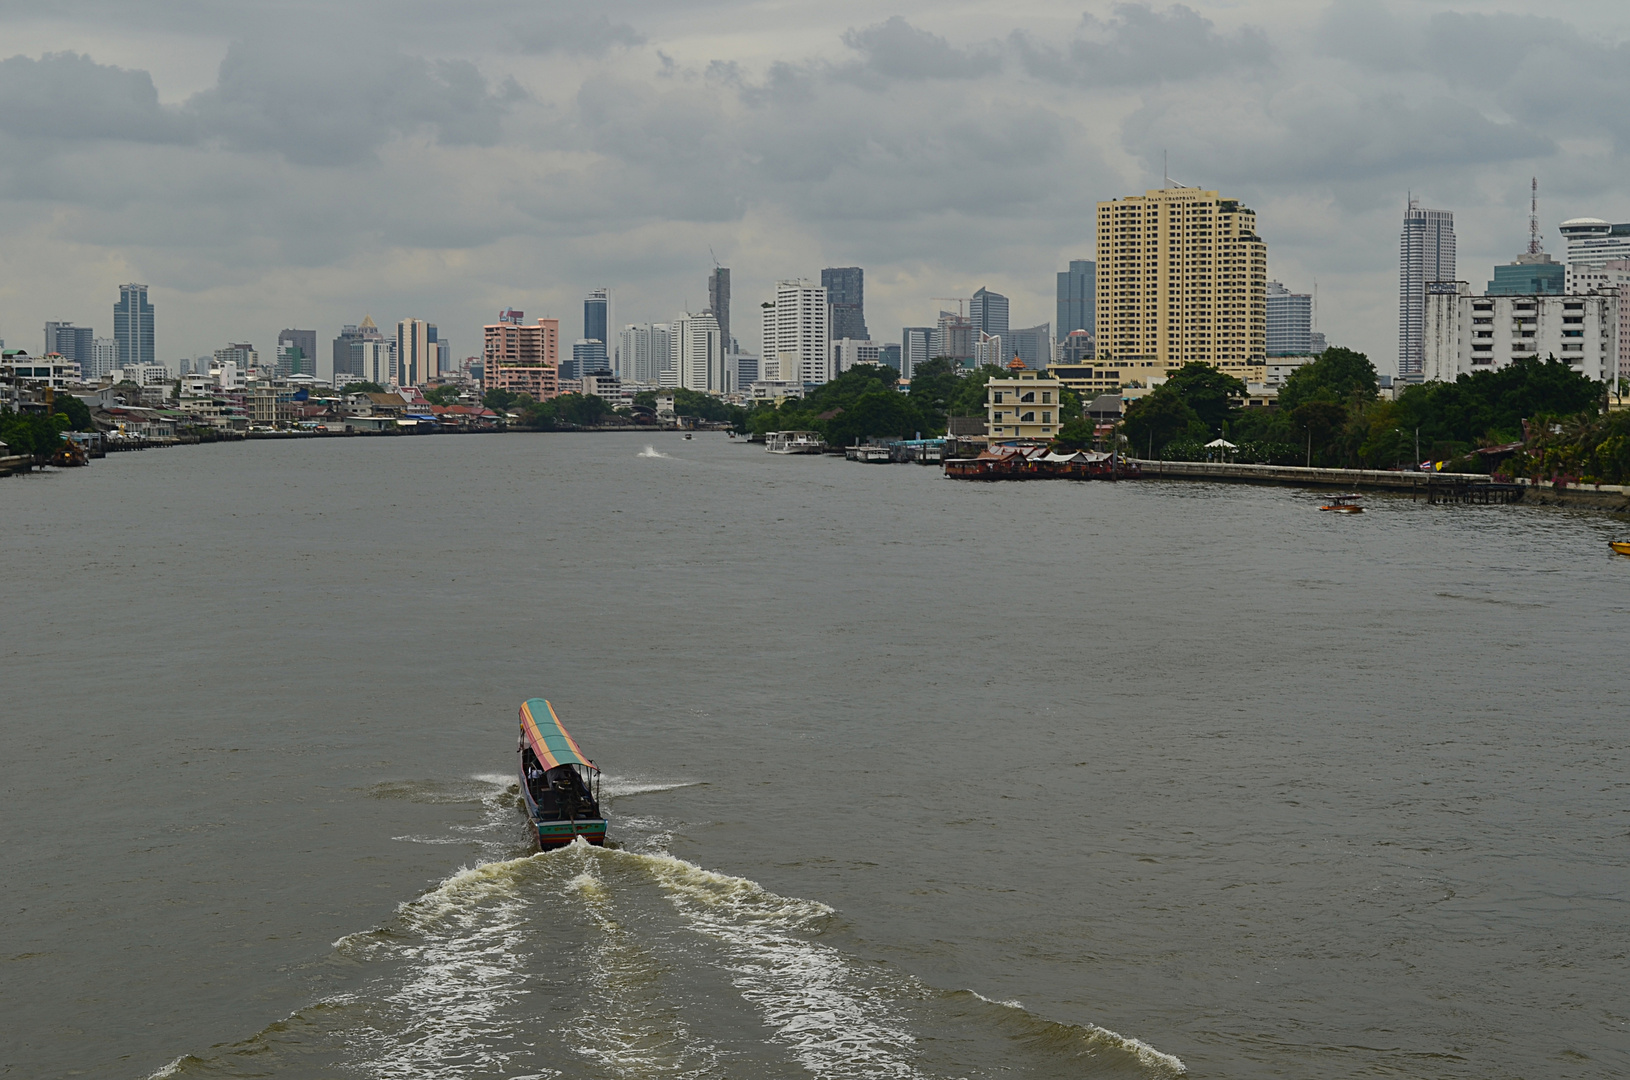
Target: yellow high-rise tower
{"points": [[1182, 275]]}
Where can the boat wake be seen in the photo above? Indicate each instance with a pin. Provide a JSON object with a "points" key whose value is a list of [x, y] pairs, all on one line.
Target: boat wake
{"points": [[593, 962], [651, 451]]}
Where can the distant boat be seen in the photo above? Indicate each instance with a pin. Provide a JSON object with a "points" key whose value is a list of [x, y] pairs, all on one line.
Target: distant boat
{"points": [[1344, 504], [687, 436], [794, 442], [1621, 546], [560, 786]]}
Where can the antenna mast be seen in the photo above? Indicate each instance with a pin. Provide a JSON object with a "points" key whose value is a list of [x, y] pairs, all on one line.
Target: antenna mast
{"points": [[1533, 217]]}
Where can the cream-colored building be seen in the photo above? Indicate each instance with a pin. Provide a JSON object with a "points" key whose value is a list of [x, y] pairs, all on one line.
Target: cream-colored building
{"points": [[1182, 275], [1023, 407]]}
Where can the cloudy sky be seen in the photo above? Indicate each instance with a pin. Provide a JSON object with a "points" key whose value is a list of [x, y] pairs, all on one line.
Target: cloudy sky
{"points": [[303, 163]]}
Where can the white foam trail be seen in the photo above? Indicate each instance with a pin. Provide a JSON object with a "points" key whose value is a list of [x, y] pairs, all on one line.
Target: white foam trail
{"points": [[502, 780], [621, 787], [651, 451], [1013, 1003], [835, 1025]]}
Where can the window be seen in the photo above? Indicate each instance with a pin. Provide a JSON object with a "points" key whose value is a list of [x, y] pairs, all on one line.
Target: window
{"points": [[1046, 417], [1029, 397], [1028, 418], [1046, 397], [998, 397]]}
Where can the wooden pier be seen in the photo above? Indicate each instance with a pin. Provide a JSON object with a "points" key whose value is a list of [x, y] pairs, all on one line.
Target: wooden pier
{"points": [[1454, 490], [1416, 483]]}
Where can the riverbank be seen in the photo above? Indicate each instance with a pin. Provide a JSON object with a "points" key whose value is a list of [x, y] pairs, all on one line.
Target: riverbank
{"points": [[1610, 497]]}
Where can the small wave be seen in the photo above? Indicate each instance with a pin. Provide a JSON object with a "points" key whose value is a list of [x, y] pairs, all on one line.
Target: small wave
{"points": [[1013, 1003], [651, 451], [1147, 1055], [443, 792]]}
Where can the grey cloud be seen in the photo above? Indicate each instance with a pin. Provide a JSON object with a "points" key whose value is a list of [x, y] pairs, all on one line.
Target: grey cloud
{"points": [[338, 106], [71, 97], [1308, 137], [1141, 45], [578, 29], [896, 49]]}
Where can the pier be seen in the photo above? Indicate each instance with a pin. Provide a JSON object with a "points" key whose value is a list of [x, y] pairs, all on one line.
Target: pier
{"points": [[1419, 483]]}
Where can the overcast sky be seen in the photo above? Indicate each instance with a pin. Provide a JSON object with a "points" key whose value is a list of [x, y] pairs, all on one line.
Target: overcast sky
{"points": [[304, 163]]}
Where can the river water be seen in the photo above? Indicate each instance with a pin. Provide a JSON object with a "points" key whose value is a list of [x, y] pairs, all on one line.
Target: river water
{"points": [[909, 777]]}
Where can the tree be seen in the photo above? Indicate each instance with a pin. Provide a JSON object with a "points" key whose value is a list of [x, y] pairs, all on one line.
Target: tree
{"points": [[877, 414], [1206, 390], [497, 399], [1077, 434], [932, 384], [1157, 418], [77, 412], [362, 388], [1338, 374], [32, 434], [1318, 420], [442, 395], [968, 396]]}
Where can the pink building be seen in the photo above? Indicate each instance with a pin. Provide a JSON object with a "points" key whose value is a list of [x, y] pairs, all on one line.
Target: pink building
{"points": [[522, 359]]}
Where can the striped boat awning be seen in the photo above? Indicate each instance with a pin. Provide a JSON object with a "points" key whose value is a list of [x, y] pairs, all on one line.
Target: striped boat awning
{"points": [[548, 737]]}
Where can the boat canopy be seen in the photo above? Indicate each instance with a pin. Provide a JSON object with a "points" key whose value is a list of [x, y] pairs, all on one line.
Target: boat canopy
{"points": [[549, 738]]}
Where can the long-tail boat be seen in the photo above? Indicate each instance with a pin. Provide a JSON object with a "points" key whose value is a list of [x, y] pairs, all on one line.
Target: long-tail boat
{"points": [[559, 784]]}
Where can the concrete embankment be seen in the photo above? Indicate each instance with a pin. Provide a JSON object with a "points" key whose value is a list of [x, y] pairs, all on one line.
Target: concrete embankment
{"points": [[1611, 497], [1354, 479]]}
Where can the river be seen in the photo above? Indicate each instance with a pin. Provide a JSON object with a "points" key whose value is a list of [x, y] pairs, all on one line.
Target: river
{"points": [[908, 777]]}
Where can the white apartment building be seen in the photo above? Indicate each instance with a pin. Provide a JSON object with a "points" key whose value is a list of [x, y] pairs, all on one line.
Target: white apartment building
{"points": [[847, 352], [697, 349], [988, 350], [797, 331], [378, 363], [1462, 333], [644, 352], [1612, 276], [143, 374]]}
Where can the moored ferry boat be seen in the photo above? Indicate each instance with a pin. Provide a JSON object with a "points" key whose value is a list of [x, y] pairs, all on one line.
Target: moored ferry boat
{"points": [[794, 442], [559, 784]]}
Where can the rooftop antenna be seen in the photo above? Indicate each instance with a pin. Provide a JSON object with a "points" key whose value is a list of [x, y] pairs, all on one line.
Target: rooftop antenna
{"points": [[1165, 172], [714, 257], [1533, 217]]}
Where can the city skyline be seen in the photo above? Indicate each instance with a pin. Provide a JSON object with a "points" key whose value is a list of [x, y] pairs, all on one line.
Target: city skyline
{"points": [[255, 189]]}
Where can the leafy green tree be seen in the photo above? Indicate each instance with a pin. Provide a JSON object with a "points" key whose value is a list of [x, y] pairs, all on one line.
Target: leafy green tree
{"points": [[700, 406], [497, 399], [32, 434], [876, 414], [1339, 375], [932, 384], [442, 395], [1318, 421], [362, 388], [1077, 434], [646, 399], [77, 412], [968, 397], [1206, 390], [1157, 418]]}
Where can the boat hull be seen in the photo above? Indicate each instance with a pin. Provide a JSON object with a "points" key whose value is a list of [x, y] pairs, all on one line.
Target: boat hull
{"points": [[1621, 546], [556, 834]]}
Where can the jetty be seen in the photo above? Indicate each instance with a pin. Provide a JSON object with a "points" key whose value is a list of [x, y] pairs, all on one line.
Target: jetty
{"points": [[1436, 486]]}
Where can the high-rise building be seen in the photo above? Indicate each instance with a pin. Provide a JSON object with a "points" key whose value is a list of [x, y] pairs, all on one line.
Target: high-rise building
{"points": [[1426, 253], [1181, 277], [846, 291], [718, 301], [297, 352], [954, 338], [1077, 297], [133, 326], [797, 330], [522, 359], [104, 357], [916, 347], [1593, 242], [746, 368], [1290, 321], [588, 355], [644, 351], [698, 353], [417, 357], [988, 312], [1033, 345], [599, 320], [70, 342], [240, 354], [376, 362], [889, 355], [846, 353], [348, 349]]}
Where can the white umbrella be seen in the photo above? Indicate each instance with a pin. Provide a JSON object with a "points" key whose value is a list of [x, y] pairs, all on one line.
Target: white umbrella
{"points": [[1222, 444]]}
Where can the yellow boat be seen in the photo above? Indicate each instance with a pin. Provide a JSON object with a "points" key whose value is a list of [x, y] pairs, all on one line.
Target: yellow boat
{"points": [[1621, 546]]}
